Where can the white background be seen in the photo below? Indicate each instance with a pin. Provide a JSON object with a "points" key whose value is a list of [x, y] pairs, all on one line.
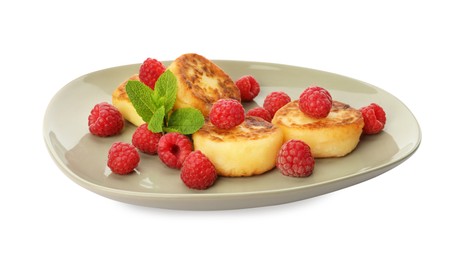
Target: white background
{"points": [[415, 50]]}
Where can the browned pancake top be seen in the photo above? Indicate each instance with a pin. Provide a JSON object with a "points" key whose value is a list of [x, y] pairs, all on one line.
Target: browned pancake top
{"points": [[253, 128], [341, 114], [203, 77]]}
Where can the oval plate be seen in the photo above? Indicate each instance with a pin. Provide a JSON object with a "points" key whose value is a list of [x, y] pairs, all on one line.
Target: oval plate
{"points": [[82, 156]]}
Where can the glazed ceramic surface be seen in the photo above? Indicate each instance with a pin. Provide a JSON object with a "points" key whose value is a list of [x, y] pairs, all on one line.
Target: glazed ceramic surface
{"points": [[82, 156]]}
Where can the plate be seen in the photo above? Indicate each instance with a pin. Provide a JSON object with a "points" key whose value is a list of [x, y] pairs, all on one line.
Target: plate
{"points": [[82, 156]]}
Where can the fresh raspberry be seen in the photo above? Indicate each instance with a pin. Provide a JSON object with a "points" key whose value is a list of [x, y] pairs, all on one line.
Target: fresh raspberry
{"points": [[248, 86], [316, 102], [260, 112], [105, 120], [198, 172], [173, 148], [150, 71], [274, 101], [374, 117], [123, 158], [227, 113], [145, 140], [295, 159]]}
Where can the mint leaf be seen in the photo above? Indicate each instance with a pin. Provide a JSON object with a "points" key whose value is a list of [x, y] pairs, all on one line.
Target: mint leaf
{"points": [[165, 91], [141, 97], [157, 121], [185, 121], [155, 107]]}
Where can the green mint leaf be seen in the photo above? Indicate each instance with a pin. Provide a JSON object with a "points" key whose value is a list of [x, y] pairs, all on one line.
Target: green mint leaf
{"points": [[165, 91], [141, 97], [185, 121], [156, 123], [160, 101]]}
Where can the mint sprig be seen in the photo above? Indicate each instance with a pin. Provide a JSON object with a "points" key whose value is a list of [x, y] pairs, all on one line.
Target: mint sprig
{"points": [[155, 107]]}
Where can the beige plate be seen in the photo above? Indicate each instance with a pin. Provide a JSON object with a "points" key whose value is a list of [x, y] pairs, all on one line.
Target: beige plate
{"points": [[82, 156]]}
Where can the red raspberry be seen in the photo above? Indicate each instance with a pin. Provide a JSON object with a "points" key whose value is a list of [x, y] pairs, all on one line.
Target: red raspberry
{"points": [[374, 117], [274, 101], [105, 120], [173, 148], [150, 71], [295, 159], [227, 113], [260, 112], [122, 158], [316, 102], [198, 172], [145, 140], [248, 86]]}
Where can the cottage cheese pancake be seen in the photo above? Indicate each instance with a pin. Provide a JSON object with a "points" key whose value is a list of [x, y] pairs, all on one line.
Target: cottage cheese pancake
{"points": [[248, 149], [333, 136], [201, 83]]}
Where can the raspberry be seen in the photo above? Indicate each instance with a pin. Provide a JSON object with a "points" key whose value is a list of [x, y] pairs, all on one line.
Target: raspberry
{"points": [[105, 120], [145, 140], [150, 71], [274, 101], [122, 158], [260, 112], [227, 113], [316, 102], [374, 117], [248, 86], [198, 172], [173, 148], [295, 159]]}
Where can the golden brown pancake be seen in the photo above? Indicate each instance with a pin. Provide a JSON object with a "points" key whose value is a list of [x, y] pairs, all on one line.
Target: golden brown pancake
{"points": [[333, 136], [248, 149], [201, 83]]}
